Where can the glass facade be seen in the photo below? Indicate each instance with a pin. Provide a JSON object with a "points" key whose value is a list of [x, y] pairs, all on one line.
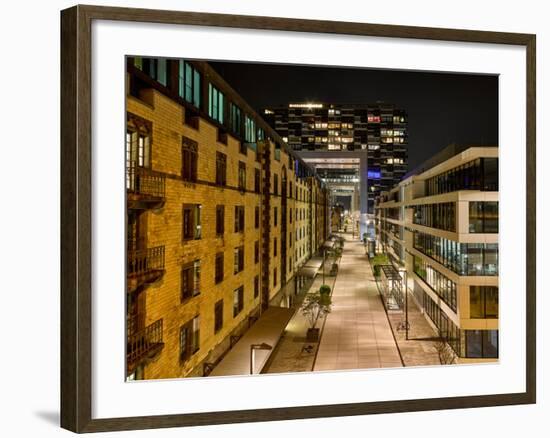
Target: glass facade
{"points": [[483, 217], [439, 283], [483, 302], [481, 343], [461, 258], [446, 328], [479, 174], [441, 216]]}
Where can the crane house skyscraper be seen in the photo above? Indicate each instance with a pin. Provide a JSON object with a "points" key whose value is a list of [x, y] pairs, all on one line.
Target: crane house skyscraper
{"points": [[359, 150]]}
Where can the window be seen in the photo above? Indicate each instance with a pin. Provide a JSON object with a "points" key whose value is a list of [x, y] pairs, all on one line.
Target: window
{"points": [[220, 220], [189, 83], [274, 247], [290, 215], [479, 174], [462, 258], [218, 316], [242, 175], [275, 216], [189, 159], [256, 217], [138, 143], [218, 276], [236, 119], [275, 184], [238, 264], [190, 280], [439, 283], [256, 252], [483, 302], [257, 180], [238, 300], [481, 343], [442, 216], [249, 130], [189, 338], [256, 286], [191, 221], [155, 68], [239, 218], [221, 169], [483, 217], [215, 103], [275, 277]]}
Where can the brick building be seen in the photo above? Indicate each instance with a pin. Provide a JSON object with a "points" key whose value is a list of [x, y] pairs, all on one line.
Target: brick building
{"points": [[221, 215]]}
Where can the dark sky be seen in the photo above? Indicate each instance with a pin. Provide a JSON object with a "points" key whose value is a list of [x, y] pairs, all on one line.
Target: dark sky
{"points": [[443, 108]]}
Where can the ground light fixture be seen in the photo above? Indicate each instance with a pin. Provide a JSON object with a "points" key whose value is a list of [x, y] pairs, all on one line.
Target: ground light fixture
{"points": [[253, 348]]}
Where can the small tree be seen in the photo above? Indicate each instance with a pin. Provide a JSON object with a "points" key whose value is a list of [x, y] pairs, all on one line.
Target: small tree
{"points": [[316, 305], [446, 354]]}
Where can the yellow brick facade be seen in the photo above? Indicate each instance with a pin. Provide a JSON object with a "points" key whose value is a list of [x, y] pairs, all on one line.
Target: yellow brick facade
{"points": [[163, 225]]}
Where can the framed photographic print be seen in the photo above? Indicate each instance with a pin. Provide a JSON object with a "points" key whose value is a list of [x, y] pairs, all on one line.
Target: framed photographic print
{"points": [[268, 218]]}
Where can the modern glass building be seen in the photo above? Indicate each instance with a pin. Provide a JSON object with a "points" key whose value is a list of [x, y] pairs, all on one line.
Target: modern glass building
{"points": [[359, 150], [441, 224]]}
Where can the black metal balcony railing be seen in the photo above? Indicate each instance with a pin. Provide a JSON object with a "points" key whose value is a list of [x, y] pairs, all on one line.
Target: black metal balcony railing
{"points": [[145, 261], [143, 182], [144, 343]]}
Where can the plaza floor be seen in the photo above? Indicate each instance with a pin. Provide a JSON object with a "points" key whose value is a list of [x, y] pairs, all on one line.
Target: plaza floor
{"points": [[357, 333]]}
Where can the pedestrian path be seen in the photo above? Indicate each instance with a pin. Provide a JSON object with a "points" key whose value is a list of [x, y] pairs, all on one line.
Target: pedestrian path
{"points": [[357, 333]]}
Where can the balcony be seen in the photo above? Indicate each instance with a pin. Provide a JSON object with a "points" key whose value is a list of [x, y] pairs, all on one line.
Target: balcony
{"points": [[144, 188], [144, 345], [145, 266]]}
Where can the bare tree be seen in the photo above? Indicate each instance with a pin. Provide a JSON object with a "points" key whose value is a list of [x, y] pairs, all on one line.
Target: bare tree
{"points": [[446, 354]]}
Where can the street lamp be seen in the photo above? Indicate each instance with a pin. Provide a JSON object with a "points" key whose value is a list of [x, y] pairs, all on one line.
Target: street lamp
{"points": [[253, 348], [404, 271]]}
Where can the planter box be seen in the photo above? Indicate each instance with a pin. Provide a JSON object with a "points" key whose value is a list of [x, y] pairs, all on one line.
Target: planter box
{"points": [[312, 335]]}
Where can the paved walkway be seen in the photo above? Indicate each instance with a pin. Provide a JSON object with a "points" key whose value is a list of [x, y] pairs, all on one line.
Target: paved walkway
{"points": [[420, 348], [290, 354], [267, 329], [357, 333]]}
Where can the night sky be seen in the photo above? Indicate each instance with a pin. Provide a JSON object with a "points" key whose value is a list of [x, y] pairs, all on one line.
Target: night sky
{"points": [[443, 108]]}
